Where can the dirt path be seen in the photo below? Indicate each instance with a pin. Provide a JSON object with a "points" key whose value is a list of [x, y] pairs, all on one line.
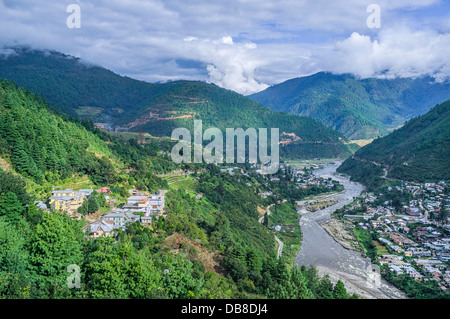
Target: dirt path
{"points": [[280, 243]]}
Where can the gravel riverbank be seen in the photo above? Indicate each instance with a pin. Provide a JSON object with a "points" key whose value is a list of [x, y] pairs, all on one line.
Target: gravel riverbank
{"points": [[328, 245]]}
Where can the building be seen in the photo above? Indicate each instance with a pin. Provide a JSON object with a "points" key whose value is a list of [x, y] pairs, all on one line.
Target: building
{"points": [[146, 220], [67, 200], [41, 205], [121, 218], [149, 205], [103, 190], [199, 196], [101, 228]]}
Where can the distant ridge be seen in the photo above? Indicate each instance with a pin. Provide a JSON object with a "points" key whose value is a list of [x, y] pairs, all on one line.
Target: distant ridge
{"points": [[419, 151], [358, 108], [97, 94]]}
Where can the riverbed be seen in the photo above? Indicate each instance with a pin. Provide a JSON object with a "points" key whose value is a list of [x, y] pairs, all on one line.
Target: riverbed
{"points": [[320, 249]]}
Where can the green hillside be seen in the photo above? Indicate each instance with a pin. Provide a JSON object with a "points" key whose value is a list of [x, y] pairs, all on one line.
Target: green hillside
{"points": [[359, 109], [185, 101], [47, 148], [215, 245], [94, 93], [78, 88], [419, 151]]}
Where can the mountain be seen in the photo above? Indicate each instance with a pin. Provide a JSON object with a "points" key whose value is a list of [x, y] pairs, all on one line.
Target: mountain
{"points": [[419, 151], [97, 94], [184, 101], [215, 244], [358, 108], [78, 88], [46, 148]]}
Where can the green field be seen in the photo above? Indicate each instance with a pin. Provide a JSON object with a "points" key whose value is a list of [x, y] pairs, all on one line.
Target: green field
{"points": [[180, 181], [381, 249]]}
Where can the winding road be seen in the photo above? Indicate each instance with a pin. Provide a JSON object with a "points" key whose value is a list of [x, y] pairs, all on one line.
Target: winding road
{"points": [[280, 243]]}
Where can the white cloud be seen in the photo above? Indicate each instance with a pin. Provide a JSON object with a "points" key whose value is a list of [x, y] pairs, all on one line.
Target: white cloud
{"points": [[227, 40], [240, 45], [229, 64], [399, 52]]}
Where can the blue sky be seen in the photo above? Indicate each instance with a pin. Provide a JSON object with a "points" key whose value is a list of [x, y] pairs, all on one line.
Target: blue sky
{"points": [[243, 45]]}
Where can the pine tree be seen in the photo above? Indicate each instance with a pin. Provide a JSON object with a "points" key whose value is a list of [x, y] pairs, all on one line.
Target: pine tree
{"points": [[10, 207], [339, 291], [53, 247], [93, 204]]}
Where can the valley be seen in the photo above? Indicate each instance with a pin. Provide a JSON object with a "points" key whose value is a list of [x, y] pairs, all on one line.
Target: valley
{"points": [[330, 257], [231, 229]]}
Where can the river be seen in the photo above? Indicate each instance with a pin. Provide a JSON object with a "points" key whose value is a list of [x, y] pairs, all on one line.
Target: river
{"points": [[320, 249]]}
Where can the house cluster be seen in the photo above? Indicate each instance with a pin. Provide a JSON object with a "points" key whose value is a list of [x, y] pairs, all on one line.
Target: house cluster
{"points": [[152, 205], [68, 200], [399, 266], [419, 246], [233, 170], [138, 208], [426, 259], [305, 179], [419, 269]]}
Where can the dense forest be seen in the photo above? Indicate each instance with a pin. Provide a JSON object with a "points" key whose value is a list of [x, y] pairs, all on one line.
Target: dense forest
{"points": [[70, 84], [40, 251], [46, 147], [91, 92], [418, 152], [357, 108]]}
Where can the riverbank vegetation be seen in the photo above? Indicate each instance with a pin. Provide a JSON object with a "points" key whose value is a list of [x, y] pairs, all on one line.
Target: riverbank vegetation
{"points": [[284, 223]]}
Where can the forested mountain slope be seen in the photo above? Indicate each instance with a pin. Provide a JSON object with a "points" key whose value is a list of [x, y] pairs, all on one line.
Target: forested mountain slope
{"points": [[358, 108], [46, 148], [94, 93], [187, 254], [419, 151]]}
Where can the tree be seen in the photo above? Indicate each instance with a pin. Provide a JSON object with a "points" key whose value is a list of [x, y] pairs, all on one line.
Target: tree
{"points": [[443, 213], [54, 245], [177, 278], [105, 274], [90, 205], [339, 291], [15, 279], [266, 220], [325, 288], [14, 184], [11, 208]]}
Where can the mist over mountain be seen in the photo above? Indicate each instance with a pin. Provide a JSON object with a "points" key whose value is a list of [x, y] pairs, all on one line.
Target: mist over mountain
{"points": [[97, 94]]}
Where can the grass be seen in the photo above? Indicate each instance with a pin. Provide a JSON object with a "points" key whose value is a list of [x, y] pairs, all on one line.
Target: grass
{"points": [[381, 249], [176, 182], [362, 142], [43, 191], [285, 214], [365, 240], [321, 205]]}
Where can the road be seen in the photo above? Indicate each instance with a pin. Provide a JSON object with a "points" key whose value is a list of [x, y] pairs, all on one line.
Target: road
{"points": [[280, 243]]}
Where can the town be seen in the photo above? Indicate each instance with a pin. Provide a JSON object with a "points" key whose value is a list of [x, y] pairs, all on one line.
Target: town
{"points": [[410, 226], [139, 207]]}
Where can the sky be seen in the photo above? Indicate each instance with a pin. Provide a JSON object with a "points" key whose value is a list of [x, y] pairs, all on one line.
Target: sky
{"points": [[241, 45]]}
